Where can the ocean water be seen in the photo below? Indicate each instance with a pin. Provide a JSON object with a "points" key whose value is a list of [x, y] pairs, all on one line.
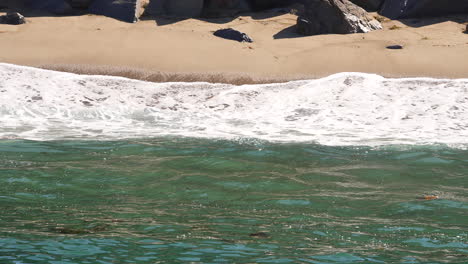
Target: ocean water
{"points": [[352, 168]]}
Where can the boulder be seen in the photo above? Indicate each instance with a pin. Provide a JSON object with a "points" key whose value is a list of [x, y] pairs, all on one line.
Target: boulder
{"points": [[125, 10], [12, 19], [11, 3], [334, 17], [418, 8], [258, 5], [4, 3], [156, 7], [177, 8], [232, 34], [369, 5], [224, 8], [81, 4], [58, 7]]}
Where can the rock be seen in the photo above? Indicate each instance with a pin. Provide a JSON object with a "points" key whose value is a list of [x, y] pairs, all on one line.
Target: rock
{"points": [[334, 17], [466, 29], [232, 34], [258, 5], [156, 7], [4, 3], [418, 8], [224, 8], [394, 47], [178, 8], [260, 235], [81, 4], [11, 3], [58, 7], [125, 10], [185, 8], [369, 5], [12, 19]]}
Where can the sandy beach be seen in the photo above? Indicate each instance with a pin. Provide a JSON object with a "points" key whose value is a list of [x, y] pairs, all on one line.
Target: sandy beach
{"points": [[432, 47]]}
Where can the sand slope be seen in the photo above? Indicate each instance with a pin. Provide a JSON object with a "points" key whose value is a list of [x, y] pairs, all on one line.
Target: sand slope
{"points": [[436, 49]]}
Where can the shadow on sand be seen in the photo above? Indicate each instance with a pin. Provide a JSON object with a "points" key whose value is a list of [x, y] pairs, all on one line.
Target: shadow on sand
{"points": [[164, 20], [288, 33], [427, 21]]}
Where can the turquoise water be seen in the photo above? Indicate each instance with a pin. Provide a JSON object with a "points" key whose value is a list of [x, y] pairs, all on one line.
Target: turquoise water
{"points": [[176, 200]]}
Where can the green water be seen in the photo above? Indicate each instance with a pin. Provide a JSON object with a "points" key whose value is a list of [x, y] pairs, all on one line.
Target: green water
{"points": [[201, 201]]}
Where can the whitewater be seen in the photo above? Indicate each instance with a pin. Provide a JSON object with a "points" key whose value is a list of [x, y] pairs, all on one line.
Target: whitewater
{"points": [[345, 109]]}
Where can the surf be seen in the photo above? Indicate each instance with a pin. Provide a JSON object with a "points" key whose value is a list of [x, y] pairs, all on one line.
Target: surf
{"points": [[343, 109]]}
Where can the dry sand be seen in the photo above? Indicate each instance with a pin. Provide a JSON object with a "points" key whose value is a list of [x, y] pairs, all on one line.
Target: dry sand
{"points": [[433, 47]]}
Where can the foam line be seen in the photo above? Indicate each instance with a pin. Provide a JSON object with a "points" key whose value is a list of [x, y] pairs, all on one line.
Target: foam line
{"points": [[342, 109]]}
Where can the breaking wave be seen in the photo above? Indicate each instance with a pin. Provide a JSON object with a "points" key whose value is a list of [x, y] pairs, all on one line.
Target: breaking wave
{"points": [[342, 109]]}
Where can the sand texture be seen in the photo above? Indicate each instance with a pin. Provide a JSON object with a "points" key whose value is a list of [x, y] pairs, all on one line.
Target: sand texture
{"points": [[432, 47]]}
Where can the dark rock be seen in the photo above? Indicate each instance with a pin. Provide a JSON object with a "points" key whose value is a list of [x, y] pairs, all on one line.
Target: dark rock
{"points": [[12, 19], [369, 5], [177, 8], [395, 47], [4, 4], [13, 4], [258, 5], [185, 8], [466, 29], [260, 235], [125, 10], [156, 7], [419, 8], [334, 17], [81, 4], [224, 8], [232, 34], [58, 7]]}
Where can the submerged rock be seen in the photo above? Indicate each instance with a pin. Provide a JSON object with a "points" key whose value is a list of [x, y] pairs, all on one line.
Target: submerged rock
{"points": [[12, 19], [125, 10], [418, 8], [260, 235], [334, 17], [232, 34]]}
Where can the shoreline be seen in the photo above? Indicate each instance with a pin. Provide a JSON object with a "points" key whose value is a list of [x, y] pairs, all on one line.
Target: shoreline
{"points": [[434, 47], [212, 77]]}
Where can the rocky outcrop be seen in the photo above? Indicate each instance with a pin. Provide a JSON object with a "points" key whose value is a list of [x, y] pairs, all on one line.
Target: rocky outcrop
{"points": [[125, 10], [80, 4], [258, 5], [212, 8], [334, 17], [12, 19], [224, 8], [58, 7], [369, 5], [418, 8], [177, 8]]}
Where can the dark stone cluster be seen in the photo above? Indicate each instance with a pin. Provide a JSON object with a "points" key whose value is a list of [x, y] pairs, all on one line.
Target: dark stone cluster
{"points": [[315, 16], [130, 10]]}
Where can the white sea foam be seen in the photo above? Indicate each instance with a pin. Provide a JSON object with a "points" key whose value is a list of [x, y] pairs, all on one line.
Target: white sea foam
{"points": [[342, 109]]}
